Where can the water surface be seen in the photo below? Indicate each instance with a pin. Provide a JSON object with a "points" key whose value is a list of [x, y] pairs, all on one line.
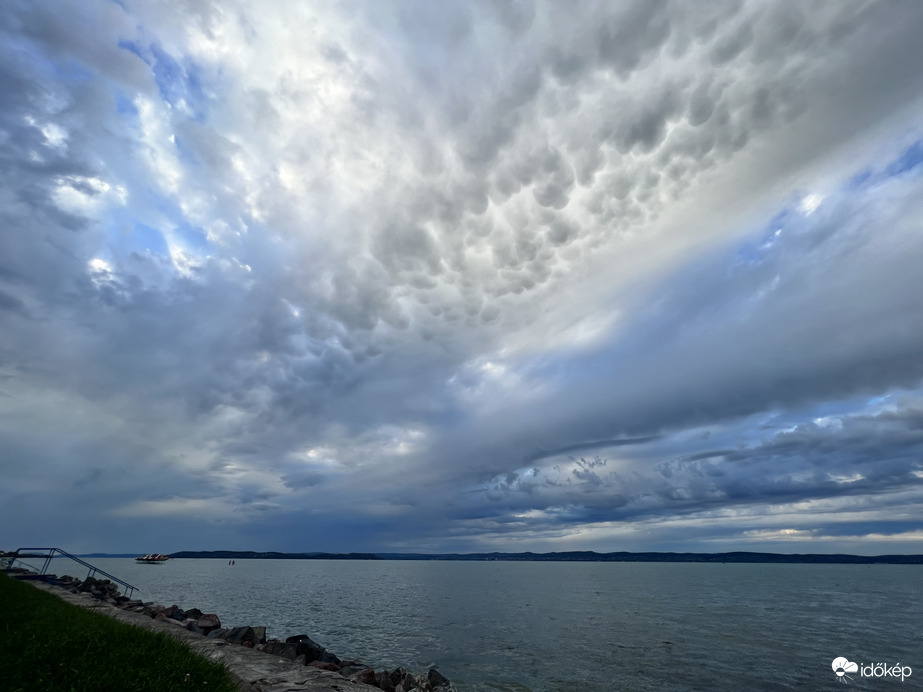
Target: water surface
{"points": [[594, 627]]}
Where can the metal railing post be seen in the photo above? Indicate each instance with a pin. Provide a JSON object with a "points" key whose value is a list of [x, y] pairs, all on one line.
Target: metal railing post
{"points": [[50, 553]]}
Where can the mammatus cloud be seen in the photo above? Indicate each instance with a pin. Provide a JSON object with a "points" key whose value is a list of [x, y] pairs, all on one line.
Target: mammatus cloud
{"points": [[500, 275]]}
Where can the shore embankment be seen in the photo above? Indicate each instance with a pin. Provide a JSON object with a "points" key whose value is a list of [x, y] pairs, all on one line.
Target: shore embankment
{"points": [[257, 663]]}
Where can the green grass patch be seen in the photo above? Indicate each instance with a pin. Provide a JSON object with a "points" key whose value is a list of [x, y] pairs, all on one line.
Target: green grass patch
{"points": [[48, 644]]}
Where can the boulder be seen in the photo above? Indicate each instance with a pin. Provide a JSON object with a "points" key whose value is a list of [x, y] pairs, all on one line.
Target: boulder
{"points": [[328, 657], [152, 609], [311, 650], [194, 613], [208, 622], [397, 675], [216, 634], [247, 636], [238, 635], [324, 665], [291, 652], [178, 614], [192, 627], [163, 617], [408, 682], [437, 679], [383, 681], [365, 676]]}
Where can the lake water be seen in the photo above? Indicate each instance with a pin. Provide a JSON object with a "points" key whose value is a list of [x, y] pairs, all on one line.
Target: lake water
{"points": [[521, 626]]}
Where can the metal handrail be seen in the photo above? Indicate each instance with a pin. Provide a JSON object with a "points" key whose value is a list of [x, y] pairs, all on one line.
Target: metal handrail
{"points": [[50, 553]]}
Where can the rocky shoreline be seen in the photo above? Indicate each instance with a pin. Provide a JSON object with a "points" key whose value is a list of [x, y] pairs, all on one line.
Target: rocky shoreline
{"points": [[297, 649]]}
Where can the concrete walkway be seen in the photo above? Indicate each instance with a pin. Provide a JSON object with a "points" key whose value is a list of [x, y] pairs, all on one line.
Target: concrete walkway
{"points": [[254, 671]]}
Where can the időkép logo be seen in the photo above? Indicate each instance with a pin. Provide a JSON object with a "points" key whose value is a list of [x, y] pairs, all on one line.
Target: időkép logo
{"points": [[843, 667]]}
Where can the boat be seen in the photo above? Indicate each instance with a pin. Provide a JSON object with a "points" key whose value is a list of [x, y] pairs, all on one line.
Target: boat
{"points": [[152, 559]]}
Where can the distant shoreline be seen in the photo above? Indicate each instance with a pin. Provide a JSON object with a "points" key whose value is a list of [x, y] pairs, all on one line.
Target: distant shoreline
{"points": [[575, 556]]}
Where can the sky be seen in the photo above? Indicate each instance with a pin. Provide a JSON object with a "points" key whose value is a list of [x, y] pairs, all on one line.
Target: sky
{"points": [[498, 275]]}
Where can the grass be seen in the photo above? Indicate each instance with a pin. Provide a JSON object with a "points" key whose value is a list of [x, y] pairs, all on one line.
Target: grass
{"points": [[48, 644]]}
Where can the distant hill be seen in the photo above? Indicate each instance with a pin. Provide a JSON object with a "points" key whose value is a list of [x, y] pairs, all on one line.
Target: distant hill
{"points": [[574, 556], [252, 555], [733, 557]]}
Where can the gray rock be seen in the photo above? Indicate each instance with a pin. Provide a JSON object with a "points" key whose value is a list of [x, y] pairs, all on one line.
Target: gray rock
{"points": [[208, 622], [327, 657], [192, 627], [152, 609], [347, 671], [408, 682], [274, 647], [383, 681], [397, 675], [312, 650], [239, 634], [292, 651], [437, 679], [325, 665], [365, 676]]}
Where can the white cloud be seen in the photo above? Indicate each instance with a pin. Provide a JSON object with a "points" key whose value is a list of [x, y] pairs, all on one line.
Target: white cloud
{"points": [[810, 203], [327, 252]]}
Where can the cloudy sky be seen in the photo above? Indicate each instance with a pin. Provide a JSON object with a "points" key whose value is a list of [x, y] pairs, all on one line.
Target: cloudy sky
{"points": [[492, 275]]}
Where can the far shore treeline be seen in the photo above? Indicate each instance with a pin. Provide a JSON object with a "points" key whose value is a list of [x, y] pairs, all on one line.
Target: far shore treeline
{"points": [[573, 556]]}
